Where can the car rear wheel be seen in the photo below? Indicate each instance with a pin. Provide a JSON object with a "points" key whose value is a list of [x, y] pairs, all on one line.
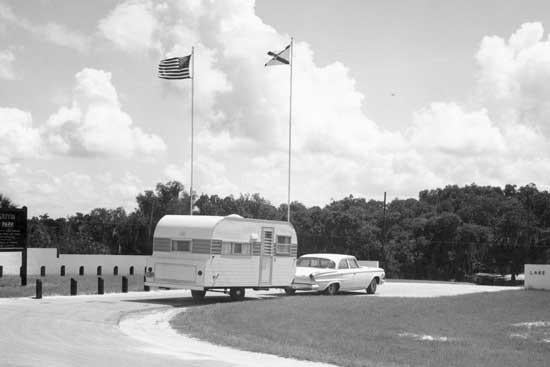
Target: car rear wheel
{"points": [[332, 289], [236, 294], [198, 296], [371, 289]]}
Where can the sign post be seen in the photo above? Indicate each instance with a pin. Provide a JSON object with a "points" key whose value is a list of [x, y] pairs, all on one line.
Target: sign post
{"points": [[13, 235]]}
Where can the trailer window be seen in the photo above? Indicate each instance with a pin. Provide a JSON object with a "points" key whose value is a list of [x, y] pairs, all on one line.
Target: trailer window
{"points": [[235, 248], [181, 246], [283, 240]]}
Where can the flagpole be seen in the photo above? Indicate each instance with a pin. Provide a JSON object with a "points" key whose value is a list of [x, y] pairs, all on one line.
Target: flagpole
{"points": [[290, 126], [192, 126]]}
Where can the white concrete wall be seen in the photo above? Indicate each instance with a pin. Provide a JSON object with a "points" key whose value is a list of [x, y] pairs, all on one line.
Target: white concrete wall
{"points": [[10, 261], [369, 263], [38, 257], [537, 276]]}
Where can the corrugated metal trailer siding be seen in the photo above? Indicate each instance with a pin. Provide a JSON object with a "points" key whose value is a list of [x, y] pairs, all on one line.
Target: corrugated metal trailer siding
{"points": [[232, 271], [283, 270]]}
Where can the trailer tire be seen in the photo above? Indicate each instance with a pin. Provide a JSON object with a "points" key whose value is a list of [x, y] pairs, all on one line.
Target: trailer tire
{"points": [[198, 296], [236, 294]]}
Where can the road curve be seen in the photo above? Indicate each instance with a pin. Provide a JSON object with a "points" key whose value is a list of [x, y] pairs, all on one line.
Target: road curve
{"points": [[112, 330], [132, 329]]}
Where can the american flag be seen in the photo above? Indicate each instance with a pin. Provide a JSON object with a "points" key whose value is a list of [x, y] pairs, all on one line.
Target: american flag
{"points": [[175, 68]]}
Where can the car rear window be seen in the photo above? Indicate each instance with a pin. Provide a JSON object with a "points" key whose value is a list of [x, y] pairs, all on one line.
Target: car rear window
{"points": [[315, 262]]}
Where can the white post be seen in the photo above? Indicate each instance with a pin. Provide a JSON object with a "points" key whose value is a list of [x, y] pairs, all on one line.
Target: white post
{"points": [[192, 126], [290, 127]]}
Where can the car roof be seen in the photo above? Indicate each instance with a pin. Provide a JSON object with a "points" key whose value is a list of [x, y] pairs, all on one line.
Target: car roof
{"points": [[333, 257]]}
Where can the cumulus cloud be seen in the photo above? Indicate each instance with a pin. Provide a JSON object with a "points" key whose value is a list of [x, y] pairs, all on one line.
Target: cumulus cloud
{"points": [[498, 136], [70, 192], [243, 107], [95, 124], [7, 70], [514, 77], [18, 138], [52, 32], [130, 26]]}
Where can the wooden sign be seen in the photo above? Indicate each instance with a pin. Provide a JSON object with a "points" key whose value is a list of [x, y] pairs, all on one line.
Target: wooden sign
{"points": [[13, 229]]}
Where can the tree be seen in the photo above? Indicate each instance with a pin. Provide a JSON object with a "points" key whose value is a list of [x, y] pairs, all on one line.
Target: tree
{"points": [[6, 203]]}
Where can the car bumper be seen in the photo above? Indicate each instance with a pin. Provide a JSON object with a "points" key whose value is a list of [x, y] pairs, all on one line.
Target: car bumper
{"points": [[304, 286]]}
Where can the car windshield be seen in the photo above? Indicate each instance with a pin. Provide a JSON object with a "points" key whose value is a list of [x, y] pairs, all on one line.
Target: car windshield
{"points": [[315, 262]]}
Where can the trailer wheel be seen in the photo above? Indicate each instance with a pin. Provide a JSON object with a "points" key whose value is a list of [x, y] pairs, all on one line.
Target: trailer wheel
{"points": [[236, 294], [290, 291], [198, 296]]}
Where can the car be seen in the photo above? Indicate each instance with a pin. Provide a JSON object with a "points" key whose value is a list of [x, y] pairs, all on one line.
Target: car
{"points": [[333, 273]]}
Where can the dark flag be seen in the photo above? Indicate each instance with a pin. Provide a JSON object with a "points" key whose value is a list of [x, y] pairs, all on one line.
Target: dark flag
{"points": [[175, 68]]}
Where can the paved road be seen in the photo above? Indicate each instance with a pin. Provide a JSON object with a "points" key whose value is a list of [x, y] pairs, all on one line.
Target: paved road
{"points": [[132, 329]]}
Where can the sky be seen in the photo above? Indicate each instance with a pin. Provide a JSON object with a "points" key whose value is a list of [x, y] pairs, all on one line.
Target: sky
{"points": [[391, 96]]}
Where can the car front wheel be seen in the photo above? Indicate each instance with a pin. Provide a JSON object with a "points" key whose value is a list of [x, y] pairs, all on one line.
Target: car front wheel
{"points": [[332, 289], [371, 289]]}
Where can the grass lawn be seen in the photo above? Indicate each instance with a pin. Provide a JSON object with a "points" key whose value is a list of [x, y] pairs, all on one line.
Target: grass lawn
{"points": [[469, 330], [10, 286]]}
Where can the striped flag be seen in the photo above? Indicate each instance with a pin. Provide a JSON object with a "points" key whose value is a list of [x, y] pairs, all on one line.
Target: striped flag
{"points": [[280, 58], [175, 68]]}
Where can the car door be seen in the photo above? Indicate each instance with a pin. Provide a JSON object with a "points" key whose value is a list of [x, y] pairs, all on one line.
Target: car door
{"points": [[345, 275], [360, 276]]}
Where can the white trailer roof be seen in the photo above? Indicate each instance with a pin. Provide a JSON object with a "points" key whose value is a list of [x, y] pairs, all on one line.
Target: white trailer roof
{"points": [[203, 226], [191, 226]]}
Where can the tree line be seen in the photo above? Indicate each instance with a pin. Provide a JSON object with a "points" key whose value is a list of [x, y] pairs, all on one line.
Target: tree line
{"points": [[446, 233]]}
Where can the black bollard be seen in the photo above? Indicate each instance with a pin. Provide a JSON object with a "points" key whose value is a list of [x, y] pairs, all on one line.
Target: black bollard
{"points": [[73, 287], [100, 285], [124, 285], [38, 289], [1, 271], [145, 287]]}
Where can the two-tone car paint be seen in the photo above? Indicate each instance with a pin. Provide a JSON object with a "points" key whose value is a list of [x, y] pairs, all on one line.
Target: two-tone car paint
{"points": [[333, 273]]}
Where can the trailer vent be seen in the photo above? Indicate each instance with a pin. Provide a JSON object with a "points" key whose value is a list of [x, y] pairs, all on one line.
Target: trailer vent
{"points": [[293, 250], [161, 244], [268, 241], [256, 249], [201, 247], [216, 248]]}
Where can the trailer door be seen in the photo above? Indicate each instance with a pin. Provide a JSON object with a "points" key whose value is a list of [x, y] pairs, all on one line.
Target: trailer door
{"points": [[266, 258]]}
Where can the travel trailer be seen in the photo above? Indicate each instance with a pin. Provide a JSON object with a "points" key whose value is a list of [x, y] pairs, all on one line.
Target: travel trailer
{"points": [[229, 254]]}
